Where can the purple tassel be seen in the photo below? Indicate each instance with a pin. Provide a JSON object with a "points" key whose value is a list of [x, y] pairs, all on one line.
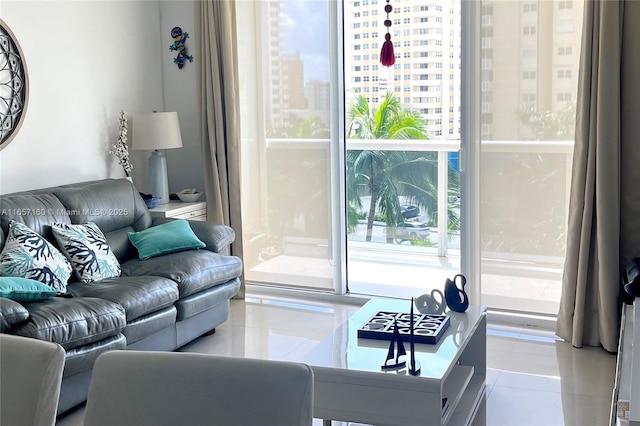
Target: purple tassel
{"points": [[387, 57]]}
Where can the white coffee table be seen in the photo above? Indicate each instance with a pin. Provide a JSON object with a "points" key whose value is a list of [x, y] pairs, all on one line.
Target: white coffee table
{"points": [[350, 385]]}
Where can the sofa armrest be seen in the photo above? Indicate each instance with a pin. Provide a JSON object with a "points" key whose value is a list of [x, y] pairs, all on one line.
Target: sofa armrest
{"points": [[218, 238], [12, 314]]}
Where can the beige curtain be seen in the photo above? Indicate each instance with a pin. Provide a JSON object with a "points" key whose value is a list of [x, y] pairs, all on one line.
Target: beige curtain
{"points": [[220, 114], [604, 208]]}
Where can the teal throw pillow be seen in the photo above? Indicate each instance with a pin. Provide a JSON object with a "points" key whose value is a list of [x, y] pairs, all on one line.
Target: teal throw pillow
{"points": [[170, 237], [28, 255], [87, 249], [25, 290]]}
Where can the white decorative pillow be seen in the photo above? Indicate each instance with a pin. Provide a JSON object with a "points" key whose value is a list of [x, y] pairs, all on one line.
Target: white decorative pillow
{"points": [[28, 255], [87, 249]]}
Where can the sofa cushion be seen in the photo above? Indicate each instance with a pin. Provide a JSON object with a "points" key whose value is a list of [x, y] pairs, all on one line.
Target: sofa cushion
{"points": [[72, 322], [86, 248], [25, 290], [193, 271], [138, 296], [170, 237], [27, 254], [11, 314]]}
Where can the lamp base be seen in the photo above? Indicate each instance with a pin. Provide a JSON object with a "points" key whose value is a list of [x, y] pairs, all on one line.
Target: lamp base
{"points": [[158, 181]]}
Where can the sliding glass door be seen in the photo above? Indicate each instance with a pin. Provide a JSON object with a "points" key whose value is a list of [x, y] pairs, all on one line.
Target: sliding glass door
{"points": [[287, 151], [403, 137], [455, 158]]}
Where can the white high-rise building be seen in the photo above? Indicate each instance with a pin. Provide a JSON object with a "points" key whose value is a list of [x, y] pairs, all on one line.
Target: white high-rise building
{"points": [[426, 74]]}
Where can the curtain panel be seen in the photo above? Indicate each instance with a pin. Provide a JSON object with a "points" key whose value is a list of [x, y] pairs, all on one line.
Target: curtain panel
{"points": [[604, 207], [218, 89]]}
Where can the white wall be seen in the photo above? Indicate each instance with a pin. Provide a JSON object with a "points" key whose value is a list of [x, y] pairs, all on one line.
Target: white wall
{"points": [[185, 164], [86, 60]]}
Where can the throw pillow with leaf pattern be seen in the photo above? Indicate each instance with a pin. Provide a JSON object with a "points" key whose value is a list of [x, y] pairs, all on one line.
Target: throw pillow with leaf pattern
{"points": [[86, 247], [27, 254]]}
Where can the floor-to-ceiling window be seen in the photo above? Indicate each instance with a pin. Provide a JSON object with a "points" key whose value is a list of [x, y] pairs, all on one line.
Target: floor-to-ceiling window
{"points": [[403, 137], [287, 152], [313, 130], [529, 69]]}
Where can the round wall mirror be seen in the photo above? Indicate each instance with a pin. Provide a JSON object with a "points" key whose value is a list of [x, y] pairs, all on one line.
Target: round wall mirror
{"points": [[14, 85]]}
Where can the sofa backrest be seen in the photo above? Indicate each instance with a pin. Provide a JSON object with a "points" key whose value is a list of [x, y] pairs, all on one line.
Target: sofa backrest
{"points": [[113, 204], [36, 210]]}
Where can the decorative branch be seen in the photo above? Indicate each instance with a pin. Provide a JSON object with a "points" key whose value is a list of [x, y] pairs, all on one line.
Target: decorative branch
{"points": [[120, 149]]}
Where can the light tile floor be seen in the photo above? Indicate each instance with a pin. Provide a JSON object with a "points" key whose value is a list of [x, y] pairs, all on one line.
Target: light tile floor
{"points": [[534, 378]]}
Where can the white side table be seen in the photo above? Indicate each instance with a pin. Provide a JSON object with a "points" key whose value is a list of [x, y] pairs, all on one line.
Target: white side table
{"points": [[180, 210]]}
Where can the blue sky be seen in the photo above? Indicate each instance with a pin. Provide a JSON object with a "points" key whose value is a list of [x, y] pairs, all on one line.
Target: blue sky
{"points": [[307, 32]]}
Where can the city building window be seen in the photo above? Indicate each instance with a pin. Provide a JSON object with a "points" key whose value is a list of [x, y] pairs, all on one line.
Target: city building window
{"points": [[438, 132], [528, 97], [365, 67], [424, 65], [407, 20], [565, 4], [424, 19], [424, 8], [406, 32], [529, 30], [407, 66], [357, 79], [407, 89], [529, 75], [365, 35], [407, 77], [438, 110], [565, 27], [564, 73], [529, 7], [396, 22], [407, 100], [356, 15], [563, 97], [374, 67], [356, 25], [438, 19], [356, 47]]}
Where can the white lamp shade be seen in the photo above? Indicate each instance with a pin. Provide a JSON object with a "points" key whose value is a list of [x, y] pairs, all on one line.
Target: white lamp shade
{"points": [[159, 130]]}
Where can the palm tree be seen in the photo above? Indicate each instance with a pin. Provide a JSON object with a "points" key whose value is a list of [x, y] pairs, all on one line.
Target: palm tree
{"points": [[387, 175]]}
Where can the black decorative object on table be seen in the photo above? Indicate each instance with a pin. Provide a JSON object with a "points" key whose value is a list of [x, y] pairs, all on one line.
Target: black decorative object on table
{"points": [[396, 349], [456, 298], [414, 366], [427, 328]]}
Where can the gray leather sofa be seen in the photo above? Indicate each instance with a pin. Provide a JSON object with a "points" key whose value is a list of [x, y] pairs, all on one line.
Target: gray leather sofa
{"points": [[157, 304]]}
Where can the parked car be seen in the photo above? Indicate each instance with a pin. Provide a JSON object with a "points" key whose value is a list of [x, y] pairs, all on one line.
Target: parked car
{"points": [[411, 230], [409, 211]]}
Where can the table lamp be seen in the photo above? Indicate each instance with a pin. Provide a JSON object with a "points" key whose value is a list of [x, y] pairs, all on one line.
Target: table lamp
{"points": [[157, 131]]}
